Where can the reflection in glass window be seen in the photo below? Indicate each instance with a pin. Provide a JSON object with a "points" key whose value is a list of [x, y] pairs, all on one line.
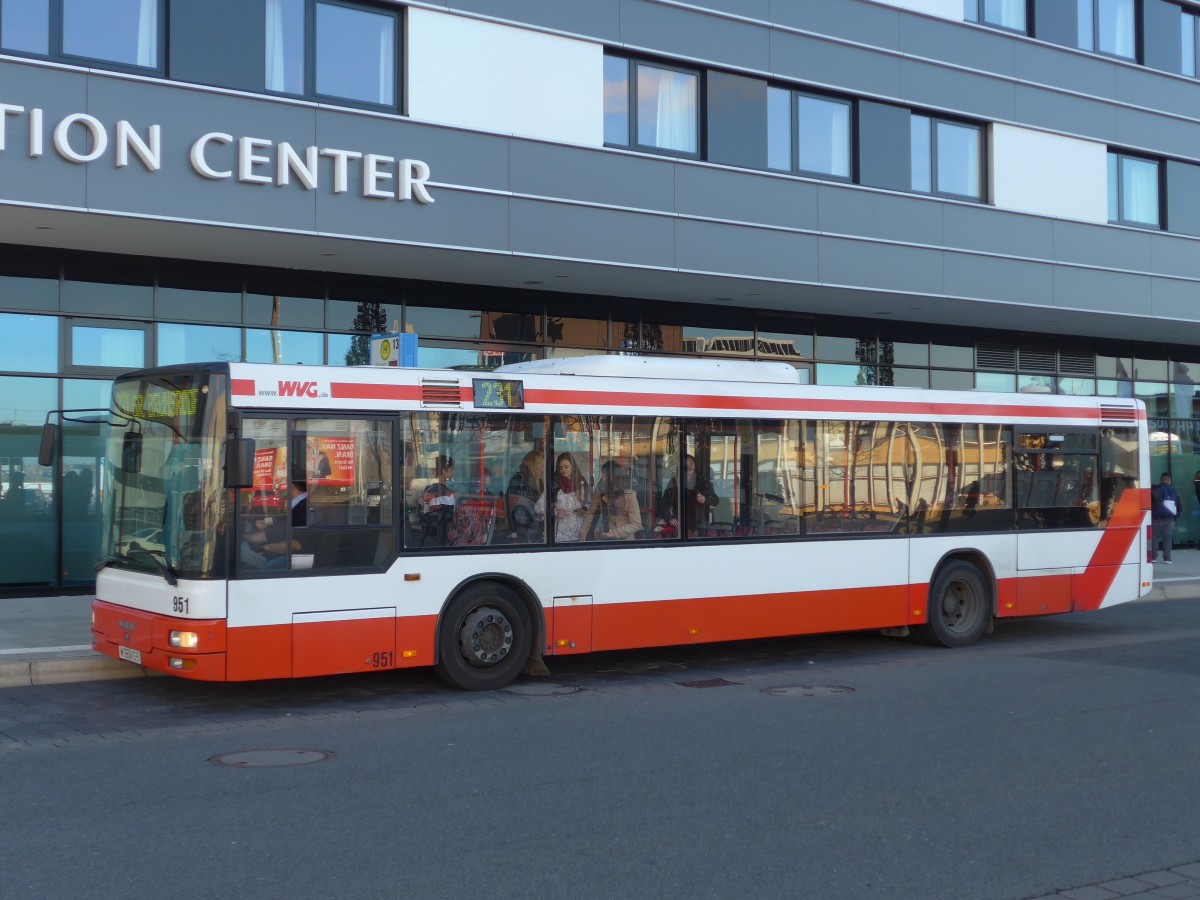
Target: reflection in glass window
{"points": [[779, 129], [120, 31], [25, 25], [285, 46], [666, 109], [1000, 382], [268, 346], [198, 343], [123, 348], [1188, 30], [1107, 26], [1003, 13], [30, 343], [922, 156], [823, 136], [29, 543], [1133, 190], [616, 100], [628, 462], [946, 158], [355, 54]]}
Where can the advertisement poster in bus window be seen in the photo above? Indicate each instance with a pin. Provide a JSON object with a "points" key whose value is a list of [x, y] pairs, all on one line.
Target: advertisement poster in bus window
{"points": [[264, 469], [331, 460]]}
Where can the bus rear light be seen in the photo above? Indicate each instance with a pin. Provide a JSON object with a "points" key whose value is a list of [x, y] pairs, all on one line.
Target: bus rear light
{"points": [[408, 654], [175, 662], [186, 640]]}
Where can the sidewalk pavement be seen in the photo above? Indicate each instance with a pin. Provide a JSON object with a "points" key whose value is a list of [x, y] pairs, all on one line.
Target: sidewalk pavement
{"points": [[47, 640]]}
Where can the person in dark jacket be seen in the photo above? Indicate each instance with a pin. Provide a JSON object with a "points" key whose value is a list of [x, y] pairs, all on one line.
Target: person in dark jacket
{"points": [[694, 504], [1165, 505]]}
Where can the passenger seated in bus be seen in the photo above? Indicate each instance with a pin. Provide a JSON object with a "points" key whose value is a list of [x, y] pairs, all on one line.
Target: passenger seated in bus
{"points": [[524, 488], [614, 513], [698, 502], [266, 546], [437, 502], [570, 495]]}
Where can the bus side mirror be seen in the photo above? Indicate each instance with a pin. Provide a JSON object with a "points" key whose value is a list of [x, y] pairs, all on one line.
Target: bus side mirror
{"points": [[131, 452], [239, 463], [46, 448]]}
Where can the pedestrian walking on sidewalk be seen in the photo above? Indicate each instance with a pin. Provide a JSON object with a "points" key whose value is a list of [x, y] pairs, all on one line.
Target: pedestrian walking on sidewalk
{"points": [[1165, 506]]}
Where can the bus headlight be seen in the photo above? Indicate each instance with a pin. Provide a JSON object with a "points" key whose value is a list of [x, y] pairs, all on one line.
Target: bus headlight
{"points": [[188, 640]]}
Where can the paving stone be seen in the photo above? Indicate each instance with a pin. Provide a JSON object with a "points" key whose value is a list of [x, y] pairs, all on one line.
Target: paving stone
{"points": [[1179, 891], [1161, 878], [1126, 886], [1191, 870], [1092, 892]]}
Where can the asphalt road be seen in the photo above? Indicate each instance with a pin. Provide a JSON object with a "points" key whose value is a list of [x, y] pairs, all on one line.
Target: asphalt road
{"points": [[1056, 753]]}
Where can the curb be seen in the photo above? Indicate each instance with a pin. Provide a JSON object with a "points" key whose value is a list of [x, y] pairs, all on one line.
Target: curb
{"points": [[66, 670]]}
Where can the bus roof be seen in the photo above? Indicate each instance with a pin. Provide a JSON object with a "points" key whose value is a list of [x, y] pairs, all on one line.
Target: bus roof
{"points": [[752, 372]]}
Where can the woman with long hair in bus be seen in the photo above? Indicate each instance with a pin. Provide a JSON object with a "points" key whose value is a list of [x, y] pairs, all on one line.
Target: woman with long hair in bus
{"points": [[437, 502], [570, 495], [694, 504], [614, 513], [524, 488]]}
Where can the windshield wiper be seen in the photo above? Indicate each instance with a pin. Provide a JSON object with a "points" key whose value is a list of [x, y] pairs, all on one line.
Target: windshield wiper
{"points": [[164, 567]]}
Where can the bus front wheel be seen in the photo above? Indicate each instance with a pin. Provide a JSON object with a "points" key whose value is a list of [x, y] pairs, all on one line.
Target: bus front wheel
{"points": [[484, 638], [959, 606]]}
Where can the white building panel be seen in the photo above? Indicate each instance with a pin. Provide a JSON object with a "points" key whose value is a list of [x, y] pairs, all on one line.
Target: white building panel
{"points": [[947, 9], [1049, 175], [505, 80]]}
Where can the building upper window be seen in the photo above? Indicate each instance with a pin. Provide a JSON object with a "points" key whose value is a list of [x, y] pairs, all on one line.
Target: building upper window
{"points": [[807, 133], [946, 158], [1001, 13], [651, 107], [1133, 195], [1107, 26], [1190, 34], [325, 49], [124, 32]]}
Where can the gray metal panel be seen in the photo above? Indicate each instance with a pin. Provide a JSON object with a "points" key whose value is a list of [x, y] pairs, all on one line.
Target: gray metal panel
{"points": [[1091, 289], [740, 250], [555, 229], [871, 265], [177, 190], [819, 62], [91, 298], [884, 146], [456, 219], [927, 84], [596, 18], [991, 230], [1183, 210], [736, 122], [594, 176], [847, 210], [199, 27], [1056, 21], [1064, 114], [1157, 134], [28, 293], [1084, 72], [1161, 35], [1172, 299], [679, 31], [47, 179], [993, 278], [974, 48], [1102, 245], [745, 197], [1136, 86], [866, 23], [754, 9]]}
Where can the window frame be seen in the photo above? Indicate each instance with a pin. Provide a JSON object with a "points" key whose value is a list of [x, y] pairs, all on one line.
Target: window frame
{"points": [[54, 49], [66, 344], [1095, 36], [793, 107], [1191, 13], [310, 58], [981, 159], [973, 11], [632, 62], [1161, 224]]}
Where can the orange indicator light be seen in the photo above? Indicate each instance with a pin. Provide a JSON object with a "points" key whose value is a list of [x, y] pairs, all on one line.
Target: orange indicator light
{"points": [[408, 654], [693, 631], [562, 643], [412, 576]]}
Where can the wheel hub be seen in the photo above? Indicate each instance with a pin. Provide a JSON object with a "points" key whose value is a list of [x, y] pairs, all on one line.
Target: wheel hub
{"points": [[486, 636]]}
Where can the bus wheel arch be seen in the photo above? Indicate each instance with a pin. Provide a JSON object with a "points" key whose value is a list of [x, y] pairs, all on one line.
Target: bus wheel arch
{"points": [[487, 632], [961, 601]]}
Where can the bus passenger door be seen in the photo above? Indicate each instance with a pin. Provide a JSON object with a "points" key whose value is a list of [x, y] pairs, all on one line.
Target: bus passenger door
{"points": [[572, 628]]}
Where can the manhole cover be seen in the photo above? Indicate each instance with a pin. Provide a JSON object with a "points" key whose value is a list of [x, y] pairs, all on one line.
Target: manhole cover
{"points": [[541, 689], [707, 683], [266, 759], [808, 690]]}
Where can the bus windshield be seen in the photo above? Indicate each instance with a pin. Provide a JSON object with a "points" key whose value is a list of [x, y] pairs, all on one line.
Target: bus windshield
{"points": [[163, 491]]}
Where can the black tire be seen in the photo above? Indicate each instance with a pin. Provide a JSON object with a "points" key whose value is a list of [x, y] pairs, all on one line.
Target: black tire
{"points": [[960, 605], [484, 638]]}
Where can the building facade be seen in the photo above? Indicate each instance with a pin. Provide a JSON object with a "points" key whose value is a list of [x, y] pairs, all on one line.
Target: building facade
{"points": [[991, 194]]}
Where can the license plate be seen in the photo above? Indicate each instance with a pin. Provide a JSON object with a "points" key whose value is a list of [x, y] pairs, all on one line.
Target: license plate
{"points": [[134, 656]]}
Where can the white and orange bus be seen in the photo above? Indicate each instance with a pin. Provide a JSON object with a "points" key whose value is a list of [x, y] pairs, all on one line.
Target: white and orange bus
{"points": [[275, 521]]}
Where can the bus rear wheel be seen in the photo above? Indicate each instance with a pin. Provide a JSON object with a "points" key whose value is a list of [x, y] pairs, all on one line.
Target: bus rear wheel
{"points": [[484, 638], [959, 606]]}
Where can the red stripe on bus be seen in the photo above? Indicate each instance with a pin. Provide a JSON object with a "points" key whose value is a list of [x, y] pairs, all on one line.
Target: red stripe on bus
{"points": [[1124, 526], [241, 387], [343, 390]]}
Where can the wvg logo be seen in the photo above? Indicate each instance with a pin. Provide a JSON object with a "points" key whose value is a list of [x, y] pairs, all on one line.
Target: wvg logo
{"points": [[297, 389]]}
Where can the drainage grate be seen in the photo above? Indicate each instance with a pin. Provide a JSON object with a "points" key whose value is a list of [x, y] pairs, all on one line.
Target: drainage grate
{"points": [[711, 682], [808, 690], [541, 689], [269, 759]]}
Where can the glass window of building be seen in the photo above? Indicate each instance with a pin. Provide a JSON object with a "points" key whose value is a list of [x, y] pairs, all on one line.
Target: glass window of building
{"points": [[118, 31], [946, 158], [662, 113], [1001, 13], [1189, 27], [329, 49], [779, 129], [198, 343], [1133, 191], [1107, 26], [25, 26], [265, 345], [807, 133], [107, 346], [31, 343], [28, 531]]}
